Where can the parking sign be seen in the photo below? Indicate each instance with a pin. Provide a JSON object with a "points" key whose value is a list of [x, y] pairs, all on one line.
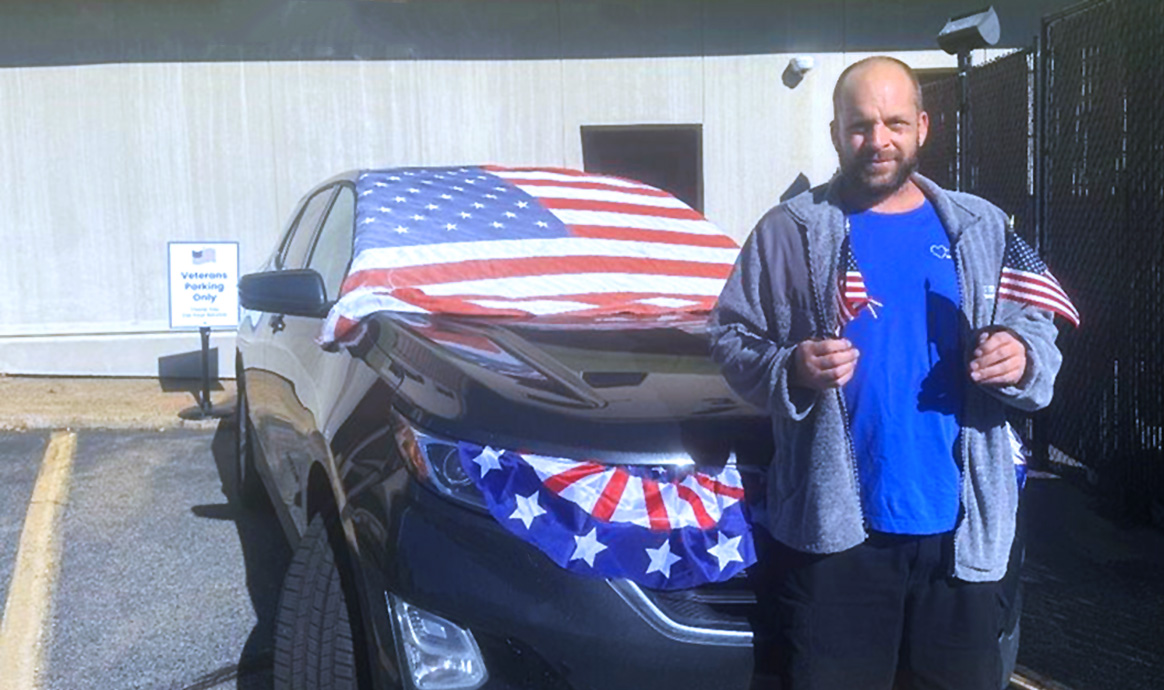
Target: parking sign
{"points": [[203, 284]]}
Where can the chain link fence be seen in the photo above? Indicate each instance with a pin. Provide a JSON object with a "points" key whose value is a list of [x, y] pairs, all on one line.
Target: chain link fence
{"points": [[1103, 183], [938, 159], [1069, 138], [1001, 153]]}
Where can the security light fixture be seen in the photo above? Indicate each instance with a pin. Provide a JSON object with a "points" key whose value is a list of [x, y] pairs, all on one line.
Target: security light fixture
{"points": [[969, 32], [959, 36]]}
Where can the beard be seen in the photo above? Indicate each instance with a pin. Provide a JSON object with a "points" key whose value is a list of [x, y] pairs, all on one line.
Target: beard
{"points": [[860, 177]]}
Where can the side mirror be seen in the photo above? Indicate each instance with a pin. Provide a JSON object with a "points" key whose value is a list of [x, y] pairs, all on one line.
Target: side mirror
{"points": [[298, 292]]}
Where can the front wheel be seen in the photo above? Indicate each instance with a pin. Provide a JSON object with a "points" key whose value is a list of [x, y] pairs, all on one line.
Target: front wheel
{"points": [[313, 635]]}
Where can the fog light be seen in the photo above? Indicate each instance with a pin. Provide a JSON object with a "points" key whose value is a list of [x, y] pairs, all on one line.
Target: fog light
{"points": [[440, 655]]}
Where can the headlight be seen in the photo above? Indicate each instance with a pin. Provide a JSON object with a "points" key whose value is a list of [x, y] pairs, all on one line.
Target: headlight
{"points": [[436, 462], [439, 654]]}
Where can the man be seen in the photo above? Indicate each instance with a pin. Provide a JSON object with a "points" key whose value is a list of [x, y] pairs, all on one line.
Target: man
{"points": [[866, 315]]}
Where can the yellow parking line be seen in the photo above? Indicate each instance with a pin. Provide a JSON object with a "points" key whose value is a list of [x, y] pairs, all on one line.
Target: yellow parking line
{"points": [[25, 617]]}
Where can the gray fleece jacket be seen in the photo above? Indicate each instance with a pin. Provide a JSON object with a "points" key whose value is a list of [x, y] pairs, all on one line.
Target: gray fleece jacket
{"points": [[781, 292]]}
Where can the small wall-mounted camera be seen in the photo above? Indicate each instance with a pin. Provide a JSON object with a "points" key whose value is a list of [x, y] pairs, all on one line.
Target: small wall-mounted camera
{"points": [[796, 69]]}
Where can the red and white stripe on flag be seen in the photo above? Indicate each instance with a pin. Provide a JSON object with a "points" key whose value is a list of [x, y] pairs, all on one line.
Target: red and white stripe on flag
{"points": [[851, 297], [1027, 280], [1037, 289], [522, 241]]}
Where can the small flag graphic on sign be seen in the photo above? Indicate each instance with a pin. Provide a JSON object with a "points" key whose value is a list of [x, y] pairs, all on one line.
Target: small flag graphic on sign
{"points": [[203, 256]]}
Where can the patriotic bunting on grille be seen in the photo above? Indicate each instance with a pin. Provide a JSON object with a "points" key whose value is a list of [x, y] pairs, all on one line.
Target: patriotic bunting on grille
{"points": [[1027, 280], [518, 241], [618, 521]]}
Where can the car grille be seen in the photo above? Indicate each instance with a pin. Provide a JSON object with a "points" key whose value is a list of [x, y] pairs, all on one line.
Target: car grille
{"points": [[727, 605]]}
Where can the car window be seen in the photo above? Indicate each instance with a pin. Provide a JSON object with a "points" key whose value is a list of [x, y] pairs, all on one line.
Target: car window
{"points": [[297, 245], [333, 248]]}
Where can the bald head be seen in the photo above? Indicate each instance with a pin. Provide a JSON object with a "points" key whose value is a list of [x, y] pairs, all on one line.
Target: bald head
{"points": [[878, 128], [878, 67]]}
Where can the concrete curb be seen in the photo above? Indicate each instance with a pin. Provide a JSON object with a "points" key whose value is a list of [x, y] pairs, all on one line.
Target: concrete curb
{"points": [[32, 403]]}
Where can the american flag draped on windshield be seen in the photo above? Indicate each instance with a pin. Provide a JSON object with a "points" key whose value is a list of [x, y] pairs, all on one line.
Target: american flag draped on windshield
{"points": [[510, 241], [547, 242]]}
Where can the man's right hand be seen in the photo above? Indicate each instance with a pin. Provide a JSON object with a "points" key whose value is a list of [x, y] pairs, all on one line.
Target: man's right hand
{"points": [[823, 364]]}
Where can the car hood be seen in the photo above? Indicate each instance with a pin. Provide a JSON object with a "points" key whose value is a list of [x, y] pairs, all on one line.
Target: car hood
{"points": [[624, 389]]}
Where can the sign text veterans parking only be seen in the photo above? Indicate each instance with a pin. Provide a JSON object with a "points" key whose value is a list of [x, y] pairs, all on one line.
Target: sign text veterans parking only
{"points": [[203, 284]]}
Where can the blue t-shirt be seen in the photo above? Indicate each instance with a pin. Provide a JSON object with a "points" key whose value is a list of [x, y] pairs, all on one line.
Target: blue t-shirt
{"points": [[906, 396]]}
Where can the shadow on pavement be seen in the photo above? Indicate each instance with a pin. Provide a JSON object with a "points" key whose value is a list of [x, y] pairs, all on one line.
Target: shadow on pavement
{"points": [[1094, 592], [266, 554]]}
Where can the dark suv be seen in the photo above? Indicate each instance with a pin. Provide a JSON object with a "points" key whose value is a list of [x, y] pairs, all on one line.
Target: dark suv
{"points": [[373, 421]]}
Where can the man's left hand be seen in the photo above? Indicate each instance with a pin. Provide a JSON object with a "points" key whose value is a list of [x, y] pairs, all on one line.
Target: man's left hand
{"points": [[999, 360]]}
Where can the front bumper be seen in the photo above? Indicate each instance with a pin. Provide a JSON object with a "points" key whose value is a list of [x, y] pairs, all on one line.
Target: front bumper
{"points": [[538, 625]]}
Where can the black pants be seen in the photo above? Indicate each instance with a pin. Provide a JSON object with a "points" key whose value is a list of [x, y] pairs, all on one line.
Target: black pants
{"points": [[885, 609]]}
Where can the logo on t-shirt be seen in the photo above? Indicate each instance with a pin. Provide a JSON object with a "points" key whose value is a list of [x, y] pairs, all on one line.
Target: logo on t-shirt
{"points": [[940, 250]]}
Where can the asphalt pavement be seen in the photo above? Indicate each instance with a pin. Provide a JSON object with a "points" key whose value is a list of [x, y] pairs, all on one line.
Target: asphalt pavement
{"points": [[166, 583], [157, 578], [19, 462], [1093, 588]]}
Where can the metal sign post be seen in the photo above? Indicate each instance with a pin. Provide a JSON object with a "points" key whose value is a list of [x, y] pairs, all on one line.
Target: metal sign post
{"points": [[964, 128], [204, 403]]}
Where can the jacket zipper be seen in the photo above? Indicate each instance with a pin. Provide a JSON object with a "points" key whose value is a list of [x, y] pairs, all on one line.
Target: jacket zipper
{"points": [[822, 332], [956, 252]]}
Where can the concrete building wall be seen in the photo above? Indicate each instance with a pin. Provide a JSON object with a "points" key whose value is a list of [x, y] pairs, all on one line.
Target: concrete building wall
{"points": [[104, 164]]}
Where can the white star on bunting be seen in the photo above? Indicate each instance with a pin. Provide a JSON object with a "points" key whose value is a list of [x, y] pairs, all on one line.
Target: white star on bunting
{"points": [[487, 461], [726, 550], [587, 547], [527, 509], [662, 559]]}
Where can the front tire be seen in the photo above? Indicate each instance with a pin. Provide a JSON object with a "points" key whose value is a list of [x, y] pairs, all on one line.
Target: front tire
{"points": [[314, 646]]}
